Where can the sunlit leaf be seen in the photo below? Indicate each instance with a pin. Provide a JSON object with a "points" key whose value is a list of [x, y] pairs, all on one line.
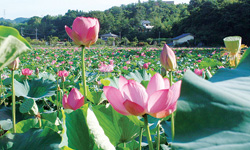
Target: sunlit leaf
{"points": [[12, 44], [81, 130]]}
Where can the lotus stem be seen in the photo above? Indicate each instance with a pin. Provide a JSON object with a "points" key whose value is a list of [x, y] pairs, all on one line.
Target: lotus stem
{"points": [[172, 115], [63, 87], [150, 144], [83, 75], [13, 103], [57, 101], [172, 126], [39, 120], [158, 136], [1, 84], [236, 60], [140, 137]]}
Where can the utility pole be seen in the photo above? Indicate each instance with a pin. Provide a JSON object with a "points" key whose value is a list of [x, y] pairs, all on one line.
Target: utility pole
{"points": [[159, 37], [21, 31], [36, 33]]}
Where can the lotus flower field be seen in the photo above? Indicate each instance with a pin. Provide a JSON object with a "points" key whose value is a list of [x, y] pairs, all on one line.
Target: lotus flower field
{"points": [[88, 97]]}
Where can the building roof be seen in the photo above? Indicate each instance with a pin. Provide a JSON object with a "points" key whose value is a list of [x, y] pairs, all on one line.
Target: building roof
{"points": [[109, 35], [145, 22], [181, 36]]}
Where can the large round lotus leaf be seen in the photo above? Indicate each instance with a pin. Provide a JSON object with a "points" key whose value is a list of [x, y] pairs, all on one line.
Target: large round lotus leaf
{"points": [[215, 114], [12, 44], [33, 139], [35, 89]]}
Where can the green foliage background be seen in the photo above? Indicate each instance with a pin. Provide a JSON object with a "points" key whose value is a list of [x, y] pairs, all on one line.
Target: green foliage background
{"points": [[208, 20]]}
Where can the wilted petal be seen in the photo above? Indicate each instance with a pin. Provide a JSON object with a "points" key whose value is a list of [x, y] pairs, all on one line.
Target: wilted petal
{"points": [[115, 98], [133, 108]]}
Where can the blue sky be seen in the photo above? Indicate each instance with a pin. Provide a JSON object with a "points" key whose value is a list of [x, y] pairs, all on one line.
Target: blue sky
{"points": [[11, 9]]}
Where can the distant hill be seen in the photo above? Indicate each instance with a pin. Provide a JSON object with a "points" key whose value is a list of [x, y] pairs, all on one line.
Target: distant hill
{"points": [[15, 21], [21, 20]]}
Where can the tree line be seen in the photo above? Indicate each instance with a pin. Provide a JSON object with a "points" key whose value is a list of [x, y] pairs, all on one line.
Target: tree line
{"points": [[208, 20]]}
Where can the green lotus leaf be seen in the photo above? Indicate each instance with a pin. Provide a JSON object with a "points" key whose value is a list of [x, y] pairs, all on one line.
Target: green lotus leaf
{"points": [[35, 89], [81, 130], [25, 125], [12, 44], [32, 139], [214, 114], [6, 117], [29, 106], [119, 128], [139, 76]]}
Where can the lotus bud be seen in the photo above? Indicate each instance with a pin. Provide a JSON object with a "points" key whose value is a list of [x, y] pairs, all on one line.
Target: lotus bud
{"points": [[168, 58], [84, 31], [37, 71], [63, 78], [14, 65]]}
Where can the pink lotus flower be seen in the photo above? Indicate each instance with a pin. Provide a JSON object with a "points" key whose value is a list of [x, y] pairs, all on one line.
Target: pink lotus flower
{"points": [[128, 62], [125, 67], [198, 60], [158, 100], [221, 67], [146, 65], [106, 68], [27, 72], [3, 76], [84, 31], [74, 101], [198, 71], [99, 82], [53, 62], [38, 58], [143, 54], [63, 73], [168, 58]]}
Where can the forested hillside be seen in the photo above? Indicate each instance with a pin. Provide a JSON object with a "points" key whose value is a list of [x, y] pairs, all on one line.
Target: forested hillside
{"points": [[208, 20], [211, 20]]}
